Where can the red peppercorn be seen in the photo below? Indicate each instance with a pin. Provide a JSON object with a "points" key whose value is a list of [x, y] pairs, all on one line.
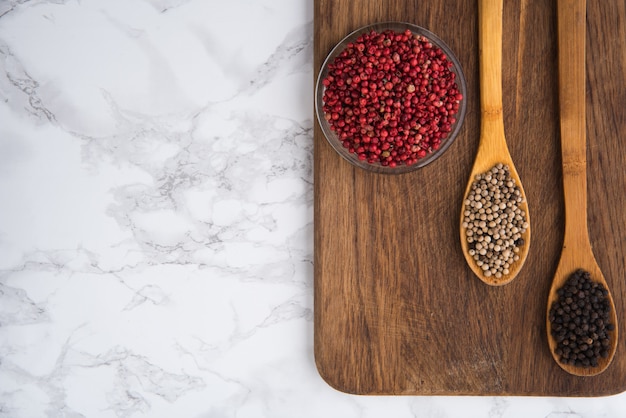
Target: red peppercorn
{"points": [[391, 97]]}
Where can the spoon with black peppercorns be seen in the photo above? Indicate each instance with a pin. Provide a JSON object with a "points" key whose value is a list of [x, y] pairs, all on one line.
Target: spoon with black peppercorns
{"points": [[494, 227], [581, 320]]}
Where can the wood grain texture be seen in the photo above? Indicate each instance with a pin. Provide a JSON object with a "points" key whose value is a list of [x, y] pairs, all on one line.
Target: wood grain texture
{"points": [[397, 310]]}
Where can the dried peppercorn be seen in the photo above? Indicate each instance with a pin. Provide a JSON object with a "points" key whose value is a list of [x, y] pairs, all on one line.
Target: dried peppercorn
{"points": [[391, 97], [580, 321], [494, 222]]}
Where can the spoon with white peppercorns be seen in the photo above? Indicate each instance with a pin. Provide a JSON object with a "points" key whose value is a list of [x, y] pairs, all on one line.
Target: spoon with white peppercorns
{"points": [[581, 321], [495, 223]]}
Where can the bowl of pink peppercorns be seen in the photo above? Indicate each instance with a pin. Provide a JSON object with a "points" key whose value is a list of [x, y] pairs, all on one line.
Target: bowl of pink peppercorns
{"points": [[390, 97]]}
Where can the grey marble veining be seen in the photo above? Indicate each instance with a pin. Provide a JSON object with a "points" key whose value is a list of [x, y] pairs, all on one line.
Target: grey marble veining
{"points": [[156, 218]]}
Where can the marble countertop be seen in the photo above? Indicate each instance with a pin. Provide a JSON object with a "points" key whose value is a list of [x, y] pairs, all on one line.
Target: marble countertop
{"points": [[156, 218]]}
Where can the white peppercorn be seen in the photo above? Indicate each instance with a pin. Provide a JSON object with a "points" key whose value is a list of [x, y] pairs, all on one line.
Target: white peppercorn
{"points": [[494, 221]]}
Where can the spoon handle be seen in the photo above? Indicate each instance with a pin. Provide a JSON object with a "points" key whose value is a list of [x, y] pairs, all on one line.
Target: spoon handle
{"points": [[490, 44], [572, 77]]}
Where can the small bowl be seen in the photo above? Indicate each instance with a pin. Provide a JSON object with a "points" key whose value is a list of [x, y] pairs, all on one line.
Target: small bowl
{"points": [[332, 137]]}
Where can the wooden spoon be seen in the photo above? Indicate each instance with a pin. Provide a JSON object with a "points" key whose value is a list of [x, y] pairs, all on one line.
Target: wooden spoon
{"points": [[492, 148], [576, 252]]}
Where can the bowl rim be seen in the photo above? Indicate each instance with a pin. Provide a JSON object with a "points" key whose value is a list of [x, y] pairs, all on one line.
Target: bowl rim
{"points": [[398, 26]]}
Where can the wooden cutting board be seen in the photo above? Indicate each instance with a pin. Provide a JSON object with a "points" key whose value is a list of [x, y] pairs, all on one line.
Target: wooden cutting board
{"points": [[397, 310]]}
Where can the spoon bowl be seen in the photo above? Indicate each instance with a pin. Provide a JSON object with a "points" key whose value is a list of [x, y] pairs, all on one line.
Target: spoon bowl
{"points": [[573, 257], [576, 252], [492, 148]]}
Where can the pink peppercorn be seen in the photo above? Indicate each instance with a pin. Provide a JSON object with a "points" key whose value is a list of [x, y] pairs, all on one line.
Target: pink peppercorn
{"points": [[391, 97]]}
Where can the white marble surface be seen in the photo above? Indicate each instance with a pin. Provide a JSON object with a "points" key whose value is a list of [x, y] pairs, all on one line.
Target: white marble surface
{"points": [[156, 218]]}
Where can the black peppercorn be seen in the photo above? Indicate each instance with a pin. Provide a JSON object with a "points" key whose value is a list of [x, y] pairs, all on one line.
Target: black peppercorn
{"points": [[580, 321]]}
